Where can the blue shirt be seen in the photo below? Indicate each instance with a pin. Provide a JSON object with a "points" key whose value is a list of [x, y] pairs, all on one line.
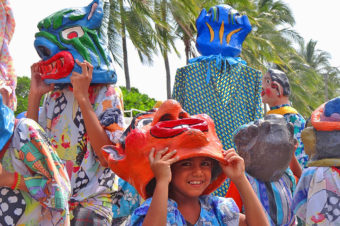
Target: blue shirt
{"points": [[214, 211]]}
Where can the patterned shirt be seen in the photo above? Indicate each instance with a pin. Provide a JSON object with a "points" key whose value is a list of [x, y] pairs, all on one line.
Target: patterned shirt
{"points": [[317, 197], [93, 186], [31, 155], [214, 211], [299, 124], [276, 198]]}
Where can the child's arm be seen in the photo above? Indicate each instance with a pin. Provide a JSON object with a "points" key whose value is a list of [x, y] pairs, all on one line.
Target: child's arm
{"points": [[295, 167], [8, 179], [97, 135], [37, 89], [160, 165], [234, 169]]}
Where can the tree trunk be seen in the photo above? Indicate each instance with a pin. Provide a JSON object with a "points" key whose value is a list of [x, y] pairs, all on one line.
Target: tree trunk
{"points": [[124, 45], [126, 64], [187, 49], [168, 77], [326, 87]]}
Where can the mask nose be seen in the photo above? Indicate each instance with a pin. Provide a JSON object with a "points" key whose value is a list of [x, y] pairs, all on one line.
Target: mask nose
{"points": [[43, 52]]}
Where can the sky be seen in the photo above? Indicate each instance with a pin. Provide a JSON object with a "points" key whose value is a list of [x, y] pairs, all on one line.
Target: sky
{"points": [[317, 20]]}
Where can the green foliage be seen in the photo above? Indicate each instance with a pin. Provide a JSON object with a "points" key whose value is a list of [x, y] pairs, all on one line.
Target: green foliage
{"points": [[132, 99], [135, 100], [22, 90]]}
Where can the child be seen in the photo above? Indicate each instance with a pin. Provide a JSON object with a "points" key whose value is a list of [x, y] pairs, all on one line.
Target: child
{"points": [[316, 198], [181, 175], [275, 93], [177, 197], [34, 186], [84, 109], [267, 147]]}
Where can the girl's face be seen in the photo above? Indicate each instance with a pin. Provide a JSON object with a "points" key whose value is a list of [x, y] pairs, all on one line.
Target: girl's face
{"points": [[190, 177]]}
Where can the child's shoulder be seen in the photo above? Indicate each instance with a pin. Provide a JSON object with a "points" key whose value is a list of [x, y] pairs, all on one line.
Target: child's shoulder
{"points": [[225, 210]]}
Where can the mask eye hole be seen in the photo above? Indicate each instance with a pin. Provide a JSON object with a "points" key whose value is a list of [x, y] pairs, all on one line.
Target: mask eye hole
{"points": [[72, 32], [143, 122]]}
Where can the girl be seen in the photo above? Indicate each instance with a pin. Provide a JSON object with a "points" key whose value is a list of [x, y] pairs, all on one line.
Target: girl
{"points": [[177, 197]]}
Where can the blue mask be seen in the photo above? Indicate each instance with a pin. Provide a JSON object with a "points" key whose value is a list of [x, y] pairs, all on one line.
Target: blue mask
{"points": [[221, 31], [72, 34]]}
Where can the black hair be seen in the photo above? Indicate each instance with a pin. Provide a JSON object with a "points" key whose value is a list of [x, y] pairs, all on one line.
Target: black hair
{"points": [[281, 78]]}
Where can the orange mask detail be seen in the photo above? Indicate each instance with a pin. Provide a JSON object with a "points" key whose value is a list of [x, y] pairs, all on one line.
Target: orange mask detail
{"points": [[170, 126]]}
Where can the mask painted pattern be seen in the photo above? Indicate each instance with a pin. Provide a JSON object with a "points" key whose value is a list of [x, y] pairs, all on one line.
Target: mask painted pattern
{"points": [[71, 34], [221, 30]]}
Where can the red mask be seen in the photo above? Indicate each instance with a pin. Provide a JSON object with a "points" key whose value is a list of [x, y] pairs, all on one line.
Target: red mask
{"points": [[170, 126]]}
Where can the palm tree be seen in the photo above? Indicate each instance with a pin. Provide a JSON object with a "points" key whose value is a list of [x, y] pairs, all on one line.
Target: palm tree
{"points": [[166, 41], [130, 19]]}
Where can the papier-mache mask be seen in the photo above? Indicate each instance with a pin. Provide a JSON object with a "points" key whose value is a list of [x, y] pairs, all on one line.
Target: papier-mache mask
{"points": [[71, 34], [321, 137], [221, 30], [168, 126], [267, 146]]}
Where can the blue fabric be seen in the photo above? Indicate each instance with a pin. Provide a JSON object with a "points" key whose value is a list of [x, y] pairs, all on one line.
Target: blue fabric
{"points": [[218, 59], [231, 97], [126, 199], [276, 198], [214, 211], [6, 124]]}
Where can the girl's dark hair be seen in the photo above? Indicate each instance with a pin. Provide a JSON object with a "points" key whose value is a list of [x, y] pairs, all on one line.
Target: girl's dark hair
{"points": [[215, 171], [281, 78]]}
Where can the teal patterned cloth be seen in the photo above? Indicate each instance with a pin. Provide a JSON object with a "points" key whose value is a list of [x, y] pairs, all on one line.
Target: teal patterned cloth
{"points": [[231, 95]]}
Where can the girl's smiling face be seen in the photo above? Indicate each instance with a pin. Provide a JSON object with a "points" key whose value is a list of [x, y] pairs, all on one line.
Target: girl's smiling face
{"points": [[190, 177]]}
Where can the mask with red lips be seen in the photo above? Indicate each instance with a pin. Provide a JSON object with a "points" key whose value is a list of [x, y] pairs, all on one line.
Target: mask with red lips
{"points": [[168, 126], [71, 34]]}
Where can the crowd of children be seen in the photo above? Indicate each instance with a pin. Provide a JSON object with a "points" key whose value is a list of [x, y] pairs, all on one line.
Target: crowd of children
{"points": [[73, 163]]}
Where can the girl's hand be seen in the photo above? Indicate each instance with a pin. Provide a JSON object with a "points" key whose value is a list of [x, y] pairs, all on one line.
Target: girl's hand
{"points": [[38, 86], [161, 164], [81, 82], [234, 169]]}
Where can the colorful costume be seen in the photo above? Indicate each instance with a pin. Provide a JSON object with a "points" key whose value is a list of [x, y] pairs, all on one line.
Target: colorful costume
{"points": [[93, 186], [8, 78], [214, 211], [63, 37], [299, 122], [219, 83], [316, 199], [267, 147], [31, 155], [276, 198]]}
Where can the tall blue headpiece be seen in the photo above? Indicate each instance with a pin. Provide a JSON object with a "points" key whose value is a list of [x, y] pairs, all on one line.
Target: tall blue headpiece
{"points": [[221, 30]]}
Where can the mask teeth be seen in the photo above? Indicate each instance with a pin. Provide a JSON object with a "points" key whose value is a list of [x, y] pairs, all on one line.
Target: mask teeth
{"points": [[52, 68]]}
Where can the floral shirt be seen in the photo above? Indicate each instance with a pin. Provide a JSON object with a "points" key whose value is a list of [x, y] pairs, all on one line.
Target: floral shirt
{"points": [[317, 197], [276, 198], [93, 185], [8, 78], [214, 211], [31, 155], [299, 124]]}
